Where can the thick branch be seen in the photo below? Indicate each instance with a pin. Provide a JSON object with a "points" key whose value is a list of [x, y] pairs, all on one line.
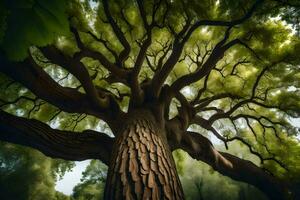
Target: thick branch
{"points": [[105, 43], [75, 67], [55, 143], [43, 86], [248, 172], [200, 148]]}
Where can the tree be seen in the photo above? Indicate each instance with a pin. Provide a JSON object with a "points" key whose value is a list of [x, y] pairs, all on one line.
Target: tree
{"points": [[152, 71], [26, 174], [92, 182]]}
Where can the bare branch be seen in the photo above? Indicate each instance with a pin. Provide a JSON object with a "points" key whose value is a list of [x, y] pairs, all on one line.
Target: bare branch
{"points": [[216, 55], [118, 32], [224, 23], [234, 67], [106, 45], [160, 55], [206, 101], [117, 71], [207, 124], [251, 149]]}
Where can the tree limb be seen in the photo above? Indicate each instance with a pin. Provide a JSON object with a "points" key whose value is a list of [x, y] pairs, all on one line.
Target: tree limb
{"points": [[117, 71], [55, 143], [75, 67], [44, 87], [217, 54], [118, 32], [161, 75], [200, 148], [135, 86], [224, 23]]}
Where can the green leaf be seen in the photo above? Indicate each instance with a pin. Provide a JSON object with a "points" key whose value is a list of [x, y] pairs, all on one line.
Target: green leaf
{"points": [[31, 22]]}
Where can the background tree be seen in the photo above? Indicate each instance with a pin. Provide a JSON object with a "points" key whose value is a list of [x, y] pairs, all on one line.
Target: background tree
{"points": [[152, 71], [27, 174], [92, 182]]}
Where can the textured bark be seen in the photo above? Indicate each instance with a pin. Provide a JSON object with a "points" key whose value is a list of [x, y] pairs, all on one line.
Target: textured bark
{"points": [[55, 143], [142, 166]]}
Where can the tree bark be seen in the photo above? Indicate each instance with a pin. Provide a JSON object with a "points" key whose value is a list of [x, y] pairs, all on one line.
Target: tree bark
{"points": [[55, 143], [142, 166]]}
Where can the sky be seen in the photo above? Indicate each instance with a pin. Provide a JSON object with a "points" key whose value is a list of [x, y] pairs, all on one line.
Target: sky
{"points": [[72, 178]]}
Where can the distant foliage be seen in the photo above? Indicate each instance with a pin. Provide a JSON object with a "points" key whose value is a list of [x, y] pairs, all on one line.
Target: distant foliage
{"points": [[92, 183], [27, 174]]}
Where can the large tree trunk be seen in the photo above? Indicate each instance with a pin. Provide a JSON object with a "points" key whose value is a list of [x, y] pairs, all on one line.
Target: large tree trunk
{"points": [[142, 166]]}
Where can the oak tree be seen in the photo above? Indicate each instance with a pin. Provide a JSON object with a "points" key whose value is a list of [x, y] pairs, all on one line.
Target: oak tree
{"points": [[160, 75]]}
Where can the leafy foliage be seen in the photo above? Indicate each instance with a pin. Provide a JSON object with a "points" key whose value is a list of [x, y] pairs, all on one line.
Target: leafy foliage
{"points": [[92, 182], [27, 174], [25, 23]]}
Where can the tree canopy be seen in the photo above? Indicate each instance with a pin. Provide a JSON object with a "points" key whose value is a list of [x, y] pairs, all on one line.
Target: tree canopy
{"points": [[221, 70]]}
